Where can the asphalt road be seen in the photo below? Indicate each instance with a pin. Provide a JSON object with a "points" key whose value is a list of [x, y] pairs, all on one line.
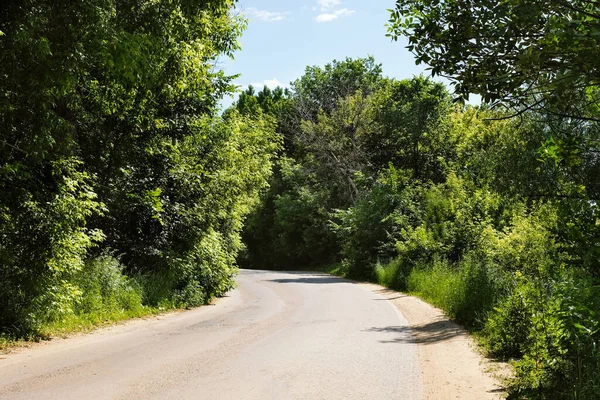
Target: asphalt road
{"points": [[277, 336]]}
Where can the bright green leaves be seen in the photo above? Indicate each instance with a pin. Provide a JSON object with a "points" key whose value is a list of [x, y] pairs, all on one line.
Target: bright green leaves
{"points": [[98, 100], [216, 177], [153, 200], [561, 152], [47, 230], [511, 52]]}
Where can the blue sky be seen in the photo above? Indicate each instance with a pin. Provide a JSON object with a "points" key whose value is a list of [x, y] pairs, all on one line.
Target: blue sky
{"points": [[283, 37]]}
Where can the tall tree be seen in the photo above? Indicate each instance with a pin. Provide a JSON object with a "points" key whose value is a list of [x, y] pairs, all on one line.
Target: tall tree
{"points": [[320, 88]]}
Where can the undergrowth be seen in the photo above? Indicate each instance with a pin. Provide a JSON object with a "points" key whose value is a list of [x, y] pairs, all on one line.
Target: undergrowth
{"points": [[103, 295]]}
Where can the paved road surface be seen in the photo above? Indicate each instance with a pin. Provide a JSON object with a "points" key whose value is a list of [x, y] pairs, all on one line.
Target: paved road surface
{"points": [[278, 336]]}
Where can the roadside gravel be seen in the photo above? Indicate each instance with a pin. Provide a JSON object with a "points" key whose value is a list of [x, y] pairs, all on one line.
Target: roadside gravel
{"points": [[451, 365]]}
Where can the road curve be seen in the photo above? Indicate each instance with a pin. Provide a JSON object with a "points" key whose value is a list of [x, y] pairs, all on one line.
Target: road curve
{"points": [[277, 336]]}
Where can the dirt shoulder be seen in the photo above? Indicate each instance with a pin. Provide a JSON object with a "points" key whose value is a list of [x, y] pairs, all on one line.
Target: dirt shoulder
{"points": [[451, 365]]}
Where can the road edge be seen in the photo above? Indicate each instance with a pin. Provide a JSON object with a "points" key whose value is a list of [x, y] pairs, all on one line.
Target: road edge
{"points": [[452, 367]]}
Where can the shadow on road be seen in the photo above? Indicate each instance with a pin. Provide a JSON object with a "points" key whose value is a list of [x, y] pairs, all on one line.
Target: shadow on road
{"points": [[391, 298], [311, 279], [422, 334], [303, 277]]}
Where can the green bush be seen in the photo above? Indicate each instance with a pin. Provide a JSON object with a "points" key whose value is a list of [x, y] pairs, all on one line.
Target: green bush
{"points": [[206, 272], [393, 274], [548, 321], [102, 294], [552, 330], [156, 289], [105, 289], [507, 330], [467, 291], [44, 244], [366, 230]]}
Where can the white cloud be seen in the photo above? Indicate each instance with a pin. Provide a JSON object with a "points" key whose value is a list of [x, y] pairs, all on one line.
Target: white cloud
{"points": [[264, 15], [329, 10], [270, 83], [328, 4], [328, 17]]}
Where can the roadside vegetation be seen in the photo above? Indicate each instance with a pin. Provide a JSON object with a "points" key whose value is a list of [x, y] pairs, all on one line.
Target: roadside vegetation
{"points": [[491, 218], [125, 191]]}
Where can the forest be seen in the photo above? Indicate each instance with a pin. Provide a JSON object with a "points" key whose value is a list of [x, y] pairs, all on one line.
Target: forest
{"points": [[126, 190]]}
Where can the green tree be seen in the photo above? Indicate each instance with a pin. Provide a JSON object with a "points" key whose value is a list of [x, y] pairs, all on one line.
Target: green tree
{"points": [[320, 120], [522, 54], [98, 101], [413, 130], [320, 88]]}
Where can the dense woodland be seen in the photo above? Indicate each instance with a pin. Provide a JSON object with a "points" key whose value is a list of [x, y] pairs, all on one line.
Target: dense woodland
{"points": [[125, 190], [122, 186]]}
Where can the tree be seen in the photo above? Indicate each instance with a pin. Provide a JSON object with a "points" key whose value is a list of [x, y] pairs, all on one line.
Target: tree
{"points": [[335, 146], [412, 132], [107, 113], [320, 88], [320, 119], [519, 53]]}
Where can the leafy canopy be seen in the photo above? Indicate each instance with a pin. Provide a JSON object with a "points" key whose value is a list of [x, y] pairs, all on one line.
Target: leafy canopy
{"points": [[520, 53]]}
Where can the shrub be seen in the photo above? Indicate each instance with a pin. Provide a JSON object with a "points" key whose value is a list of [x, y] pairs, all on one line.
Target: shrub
{"points": [[467, 291], [44, 242], [394, 274], [552, 328], [156, 289], [105, 289], [366, 230], [506, 331]]}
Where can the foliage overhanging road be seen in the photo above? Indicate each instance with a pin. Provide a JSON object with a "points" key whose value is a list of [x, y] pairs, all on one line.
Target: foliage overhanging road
{"points": [[279, 335]]}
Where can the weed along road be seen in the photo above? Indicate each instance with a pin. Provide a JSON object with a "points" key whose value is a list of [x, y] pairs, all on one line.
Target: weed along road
{"points": [[277, 336]]}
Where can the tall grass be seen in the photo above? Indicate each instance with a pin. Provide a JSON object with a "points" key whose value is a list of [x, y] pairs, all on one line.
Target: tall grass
{"points": [[104, 294], [467, 291]]}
